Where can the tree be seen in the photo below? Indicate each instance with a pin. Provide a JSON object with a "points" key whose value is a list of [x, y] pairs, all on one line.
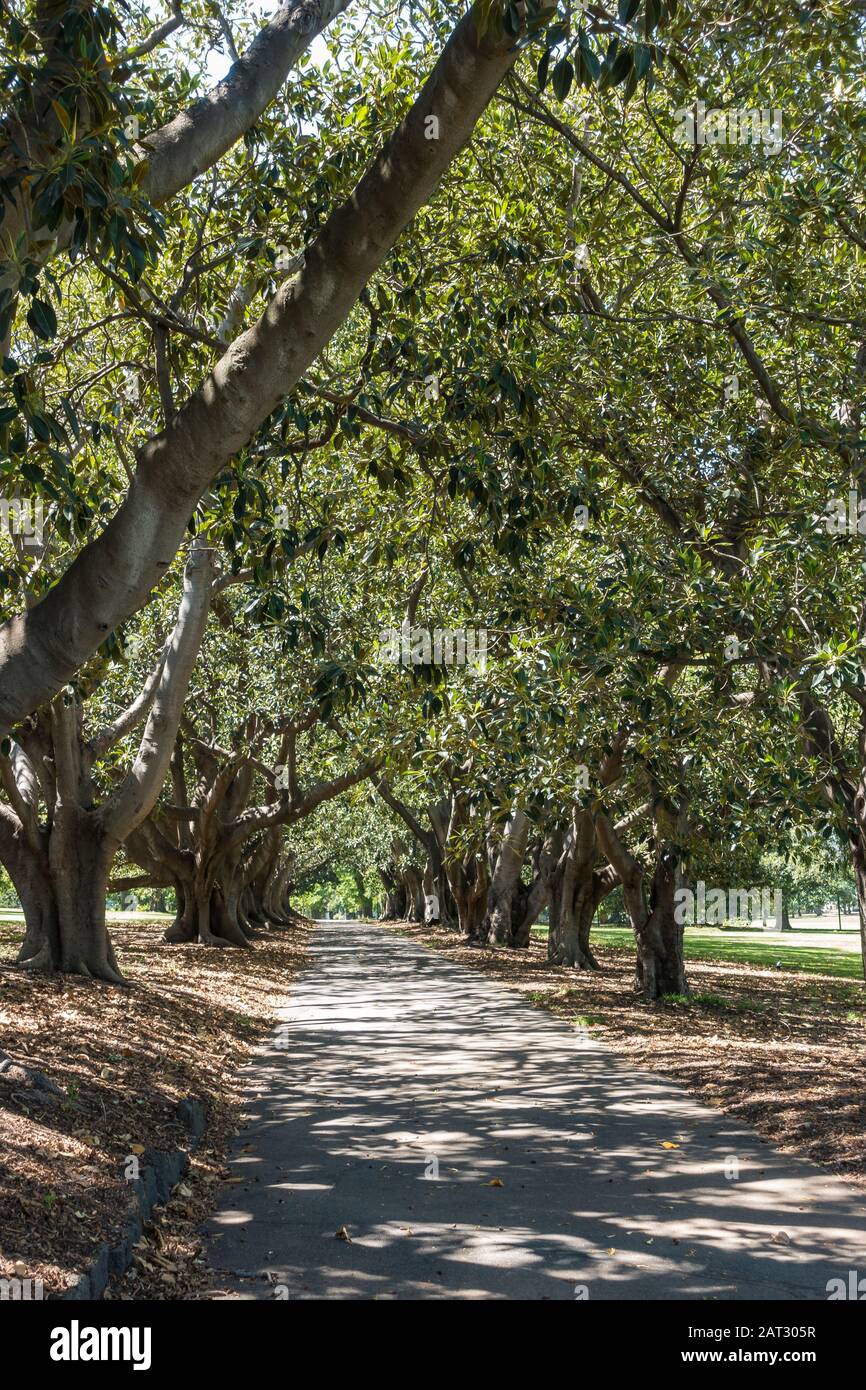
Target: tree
{"points": [[61, 866]]}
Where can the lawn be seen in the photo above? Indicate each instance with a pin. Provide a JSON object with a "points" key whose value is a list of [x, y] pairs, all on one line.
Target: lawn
{"points": [[813, 951], [143, 918]]}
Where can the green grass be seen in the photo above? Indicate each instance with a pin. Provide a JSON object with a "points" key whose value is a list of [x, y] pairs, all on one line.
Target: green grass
{"points": [[131, 919], [765, 951]]}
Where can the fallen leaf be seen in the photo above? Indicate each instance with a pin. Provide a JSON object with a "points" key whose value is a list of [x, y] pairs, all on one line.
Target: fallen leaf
{"points": [[666, 1144], [343, 1234], [496, 1182]]}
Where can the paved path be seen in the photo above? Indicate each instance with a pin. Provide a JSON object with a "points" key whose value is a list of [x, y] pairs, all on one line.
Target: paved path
{"points": [[401, 1086]]}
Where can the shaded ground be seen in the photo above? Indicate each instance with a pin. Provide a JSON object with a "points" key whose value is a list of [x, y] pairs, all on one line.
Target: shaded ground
{"points": [[782, 1052], [123, 1059], [417, 1131]]}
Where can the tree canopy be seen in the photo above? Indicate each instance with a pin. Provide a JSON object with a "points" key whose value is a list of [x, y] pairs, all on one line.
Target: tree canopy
{"points": [[432, 448]]}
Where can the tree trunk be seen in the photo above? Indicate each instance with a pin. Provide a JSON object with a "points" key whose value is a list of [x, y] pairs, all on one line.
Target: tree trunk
{"points": [[62, 887], [208, 912], [575, 923], [278, 906], [661, 966], [183, 928], [394, 906], [413, 885], [82, 838], [28, 869], [498, 924], [223, 919], [80, 855], [576, 888], [470, 896], [440, 908], [531, 906], [436, 881], [858, 857]]}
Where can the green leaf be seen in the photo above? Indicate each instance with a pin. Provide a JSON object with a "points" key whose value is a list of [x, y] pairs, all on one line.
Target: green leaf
{"points": [[33, 473], [563, 76], [618, 70], [642, 58], [590, 58], [543, 69], [62, 115], [42, 319]]}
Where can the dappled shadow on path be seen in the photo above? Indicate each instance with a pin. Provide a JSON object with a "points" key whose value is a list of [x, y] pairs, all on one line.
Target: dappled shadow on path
{"points": [[403, 1090]]}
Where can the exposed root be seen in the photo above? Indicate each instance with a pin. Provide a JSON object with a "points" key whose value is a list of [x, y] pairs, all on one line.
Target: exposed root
{"points": [[178, 932], [105, 971], [42, 960], [207, 938], [28, 1077]]}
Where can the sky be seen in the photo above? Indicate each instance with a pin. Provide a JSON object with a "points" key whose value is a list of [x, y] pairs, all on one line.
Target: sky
{"points": [[218, 63]]}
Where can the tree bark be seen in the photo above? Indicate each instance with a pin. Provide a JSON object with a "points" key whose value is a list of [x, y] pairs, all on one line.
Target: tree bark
{"points": [[394, 906], [498, 924], [80, 856], [413, 881], [660, 966], [537, 895], [470, 895], [25, 859], [858, 860], [577, 886]]}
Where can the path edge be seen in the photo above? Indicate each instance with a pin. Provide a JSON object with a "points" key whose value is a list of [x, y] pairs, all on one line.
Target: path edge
{"points": [[161, 1171]]}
